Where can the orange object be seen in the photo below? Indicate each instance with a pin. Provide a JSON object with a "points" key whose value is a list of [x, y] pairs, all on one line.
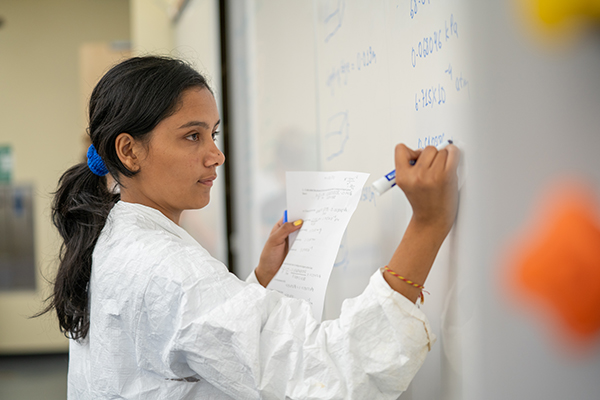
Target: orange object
{"points": [[556, 262]]}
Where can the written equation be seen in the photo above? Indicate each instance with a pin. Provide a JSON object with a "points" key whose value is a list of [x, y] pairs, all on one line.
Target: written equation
{"points": [[460, 83], [415, 5], [434, 42], [429, 97], [339, 75], [430, 140]]}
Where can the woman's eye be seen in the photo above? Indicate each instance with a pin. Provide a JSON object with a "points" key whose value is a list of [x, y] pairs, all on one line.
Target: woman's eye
{"points": [[193, 137], [215, 135]]}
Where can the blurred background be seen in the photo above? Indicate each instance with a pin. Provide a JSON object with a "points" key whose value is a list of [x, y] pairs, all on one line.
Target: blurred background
{"points": [[524, 99]]}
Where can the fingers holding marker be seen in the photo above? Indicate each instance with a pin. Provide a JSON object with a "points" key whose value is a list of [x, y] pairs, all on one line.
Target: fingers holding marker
{"points": [[405, 158], [283, 228], [284, 220], [438, 163], [428, 155], [453, 159], [275, 250], [290, 227], [278, 225]]}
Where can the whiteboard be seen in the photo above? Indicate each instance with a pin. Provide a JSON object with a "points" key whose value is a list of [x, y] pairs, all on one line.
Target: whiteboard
{"points": [[334, 84], [390, 73]]}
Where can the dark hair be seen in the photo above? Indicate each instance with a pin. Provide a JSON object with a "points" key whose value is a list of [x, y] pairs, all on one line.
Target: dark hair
{"points": [[132, 97]]}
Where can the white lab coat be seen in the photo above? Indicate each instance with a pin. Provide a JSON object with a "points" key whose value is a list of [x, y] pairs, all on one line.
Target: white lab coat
{"points": [[168, 321]]}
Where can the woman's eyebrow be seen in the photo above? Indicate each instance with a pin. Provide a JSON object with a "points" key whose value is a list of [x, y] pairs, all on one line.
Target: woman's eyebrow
{"points": [[201, 124], [194, 123]]}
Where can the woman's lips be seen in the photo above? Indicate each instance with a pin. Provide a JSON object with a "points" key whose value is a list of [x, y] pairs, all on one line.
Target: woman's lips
{"points": [[208, 181]]}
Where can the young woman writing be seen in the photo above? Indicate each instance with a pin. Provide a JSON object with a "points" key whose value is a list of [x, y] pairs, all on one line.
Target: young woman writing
{"points": [[152, 315]]}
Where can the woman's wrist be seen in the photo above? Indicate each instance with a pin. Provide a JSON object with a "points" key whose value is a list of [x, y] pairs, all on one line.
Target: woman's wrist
{"points": [[263, 277], [435, 229], [414, 256]]}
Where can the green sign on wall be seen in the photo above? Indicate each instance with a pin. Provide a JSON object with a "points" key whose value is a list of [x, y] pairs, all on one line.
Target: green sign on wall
{"points": [[6, 164]]}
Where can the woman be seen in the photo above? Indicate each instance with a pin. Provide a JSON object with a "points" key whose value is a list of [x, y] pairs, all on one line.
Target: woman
{"points": [[152, 315]]}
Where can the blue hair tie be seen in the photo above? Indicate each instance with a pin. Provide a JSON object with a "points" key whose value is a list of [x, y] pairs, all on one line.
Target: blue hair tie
{"points": [[95, 162]]}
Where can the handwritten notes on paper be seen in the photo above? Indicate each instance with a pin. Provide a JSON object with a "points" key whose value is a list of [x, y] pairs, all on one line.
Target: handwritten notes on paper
{"points": [[325, 201]]}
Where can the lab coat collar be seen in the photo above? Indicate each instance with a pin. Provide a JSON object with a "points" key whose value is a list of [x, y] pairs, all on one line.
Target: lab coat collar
{"points": [[156, 217]]}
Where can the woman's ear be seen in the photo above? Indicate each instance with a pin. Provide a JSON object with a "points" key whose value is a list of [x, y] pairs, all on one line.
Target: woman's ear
{"points": [[128, 151]]}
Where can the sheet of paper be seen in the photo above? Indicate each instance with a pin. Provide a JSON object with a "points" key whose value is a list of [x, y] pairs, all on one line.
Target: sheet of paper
{"points": [[325, 201]]}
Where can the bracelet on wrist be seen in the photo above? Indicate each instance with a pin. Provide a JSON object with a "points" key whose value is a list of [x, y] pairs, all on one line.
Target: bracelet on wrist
{"points": [[418, 286]]}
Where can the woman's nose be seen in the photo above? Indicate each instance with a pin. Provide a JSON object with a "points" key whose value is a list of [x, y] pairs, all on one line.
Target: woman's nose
{"points": [[215, 156]]}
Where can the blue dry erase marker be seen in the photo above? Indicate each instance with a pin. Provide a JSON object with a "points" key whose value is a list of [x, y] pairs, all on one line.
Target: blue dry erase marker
{"points": [[285, 216], [384, 184]]}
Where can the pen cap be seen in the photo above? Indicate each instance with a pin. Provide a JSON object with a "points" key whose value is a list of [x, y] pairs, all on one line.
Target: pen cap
{"points": [[385, 183]]}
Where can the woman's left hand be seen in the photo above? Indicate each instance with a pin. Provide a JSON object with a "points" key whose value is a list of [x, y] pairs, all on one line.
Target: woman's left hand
{"points": [[275, 250]]}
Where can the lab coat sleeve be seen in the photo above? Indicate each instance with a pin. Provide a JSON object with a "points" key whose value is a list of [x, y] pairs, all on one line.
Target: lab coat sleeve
{"points": [[254, 343], [252, 278]]}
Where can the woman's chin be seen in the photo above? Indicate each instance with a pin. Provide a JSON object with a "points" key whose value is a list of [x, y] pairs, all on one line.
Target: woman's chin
{"points": [[201, 203]]}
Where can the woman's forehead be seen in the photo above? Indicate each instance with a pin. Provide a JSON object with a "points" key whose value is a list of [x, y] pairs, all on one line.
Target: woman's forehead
{"points": [[197, 108]]}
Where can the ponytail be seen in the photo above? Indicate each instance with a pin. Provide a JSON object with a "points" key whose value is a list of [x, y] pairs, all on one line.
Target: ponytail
{"points": [[79, 211]]}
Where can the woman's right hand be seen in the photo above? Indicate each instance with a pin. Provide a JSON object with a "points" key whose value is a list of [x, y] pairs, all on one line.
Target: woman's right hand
{"points": [[431, 184]]}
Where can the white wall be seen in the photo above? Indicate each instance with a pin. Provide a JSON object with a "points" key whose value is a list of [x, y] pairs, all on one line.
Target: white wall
{"points": [[151, 27]]}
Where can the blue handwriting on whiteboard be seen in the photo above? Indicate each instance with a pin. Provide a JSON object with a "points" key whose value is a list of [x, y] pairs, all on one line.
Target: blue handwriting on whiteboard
{"points": [[338, 133], [368, 195], [333, 21], [460, 83], [365, 58], [338, 76], [429, 97], [433, 43], [342, 259], [430, 141], [451, 30], [414, 6], [449, 71]]}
